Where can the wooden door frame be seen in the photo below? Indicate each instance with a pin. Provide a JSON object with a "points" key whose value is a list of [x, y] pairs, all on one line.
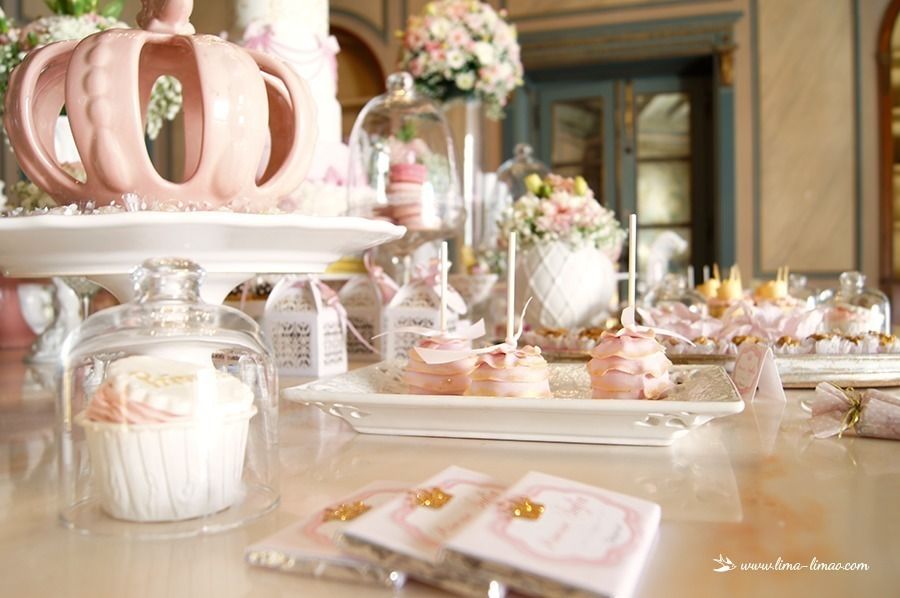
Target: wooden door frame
{"points": [[886, 150]]}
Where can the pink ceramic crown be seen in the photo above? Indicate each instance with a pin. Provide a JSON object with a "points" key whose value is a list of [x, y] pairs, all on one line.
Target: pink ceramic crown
{"points": [[234, 99]]}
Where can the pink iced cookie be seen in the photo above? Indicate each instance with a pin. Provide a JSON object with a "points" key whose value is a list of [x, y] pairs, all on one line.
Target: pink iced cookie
{"points": [[521, 373], [629, 365], [451, 378]]}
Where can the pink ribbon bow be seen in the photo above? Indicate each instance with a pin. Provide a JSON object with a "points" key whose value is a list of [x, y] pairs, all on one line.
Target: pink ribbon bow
{"points": [[325, 295], [386, 286], [510, 345], [629, 323]]}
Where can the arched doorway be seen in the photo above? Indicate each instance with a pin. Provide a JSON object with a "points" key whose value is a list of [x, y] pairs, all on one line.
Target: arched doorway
{"points": [[889, 141], [360, 77]]}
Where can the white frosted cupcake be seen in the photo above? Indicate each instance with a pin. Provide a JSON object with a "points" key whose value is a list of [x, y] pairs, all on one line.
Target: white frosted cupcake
{"points": [[167, 439]]}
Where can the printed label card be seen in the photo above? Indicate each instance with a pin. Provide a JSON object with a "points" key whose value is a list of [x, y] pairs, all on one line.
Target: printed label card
{"points": [[309, 547], [408, 532], [551, 536], [755, 373]]}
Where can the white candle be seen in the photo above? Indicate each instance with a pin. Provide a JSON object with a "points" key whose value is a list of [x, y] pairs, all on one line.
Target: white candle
{"points": [[511, 289], [632, 257], [443, 287]]}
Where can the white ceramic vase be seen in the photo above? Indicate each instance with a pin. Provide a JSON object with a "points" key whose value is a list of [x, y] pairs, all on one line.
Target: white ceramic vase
{"points": [[569, 287]]}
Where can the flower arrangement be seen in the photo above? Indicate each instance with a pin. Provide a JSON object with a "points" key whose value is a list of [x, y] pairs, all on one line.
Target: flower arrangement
{"points": [[558, 208], [77, 19], [463, 48]]}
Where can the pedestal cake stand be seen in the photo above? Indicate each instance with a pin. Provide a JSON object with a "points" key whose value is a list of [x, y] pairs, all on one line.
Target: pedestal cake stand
{"points": [[230, 246]]}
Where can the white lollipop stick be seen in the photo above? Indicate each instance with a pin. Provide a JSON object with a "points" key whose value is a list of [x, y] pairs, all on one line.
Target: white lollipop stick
{"points": [[511, 290], [444, 287], [632, 257]]}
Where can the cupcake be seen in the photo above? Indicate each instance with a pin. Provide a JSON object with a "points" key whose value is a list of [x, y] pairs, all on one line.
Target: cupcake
{"points": [[518, 373], [445, 378], [167, 439], [629, 364]]}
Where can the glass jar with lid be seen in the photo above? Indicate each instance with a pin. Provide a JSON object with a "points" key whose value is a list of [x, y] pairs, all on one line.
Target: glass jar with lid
{"points": [[509, 187], [402, 167], [857, 309], [169, 414], [674, 289]]}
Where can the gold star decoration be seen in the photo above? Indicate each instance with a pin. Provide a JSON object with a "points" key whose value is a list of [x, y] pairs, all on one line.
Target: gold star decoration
{"points": [[524, 508], [345, 511], [433, 498]]}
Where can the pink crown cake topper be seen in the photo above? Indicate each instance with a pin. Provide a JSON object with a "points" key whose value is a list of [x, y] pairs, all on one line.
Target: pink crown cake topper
{"points": [[234, 101]]}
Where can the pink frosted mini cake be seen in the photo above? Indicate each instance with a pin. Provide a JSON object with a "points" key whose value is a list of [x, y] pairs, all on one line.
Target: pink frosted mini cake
{"points": [[520, 373], [629, 364], [451, 378], [167, 439]]}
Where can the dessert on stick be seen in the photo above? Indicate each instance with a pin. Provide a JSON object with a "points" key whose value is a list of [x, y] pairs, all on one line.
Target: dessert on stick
{"points": [[630, 363], [439, 377], [507, 370]]}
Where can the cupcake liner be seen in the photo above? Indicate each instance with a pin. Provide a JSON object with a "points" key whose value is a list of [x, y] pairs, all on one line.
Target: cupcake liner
{"points": [[167, 472]]}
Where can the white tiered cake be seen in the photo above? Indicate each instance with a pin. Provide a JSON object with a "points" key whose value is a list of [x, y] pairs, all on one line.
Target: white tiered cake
{"points": [[297, 32]]}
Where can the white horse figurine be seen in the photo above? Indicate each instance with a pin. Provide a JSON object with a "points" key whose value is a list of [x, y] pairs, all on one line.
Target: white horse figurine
{"points": [[664, 247]]}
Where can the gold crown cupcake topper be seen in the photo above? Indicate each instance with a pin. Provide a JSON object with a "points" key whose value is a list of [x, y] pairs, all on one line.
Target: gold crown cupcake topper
{"points": [[432, 498], [525, 508], [345, 511]]}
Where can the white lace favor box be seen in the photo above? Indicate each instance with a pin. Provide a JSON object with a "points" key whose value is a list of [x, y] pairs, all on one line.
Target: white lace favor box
{"points": [[307, 328], [416, 304], [363, 301]]}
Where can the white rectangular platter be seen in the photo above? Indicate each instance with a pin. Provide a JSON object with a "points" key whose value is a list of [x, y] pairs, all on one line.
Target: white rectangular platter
{"points": [[373, 400]]}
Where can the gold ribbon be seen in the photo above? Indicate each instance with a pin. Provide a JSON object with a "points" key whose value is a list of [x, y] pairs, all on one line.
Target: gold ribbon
{"points": [[851, 418]]}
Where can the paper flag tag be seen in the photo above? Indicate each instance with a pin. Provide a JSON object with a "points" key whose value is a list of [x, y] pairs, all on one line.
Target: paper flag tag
{"points": [[755, 370]]}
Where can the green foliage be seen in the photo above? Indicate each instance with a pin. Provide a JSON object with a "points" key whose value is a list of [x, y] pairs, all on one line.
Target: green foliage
{"points": [[77, 8]]}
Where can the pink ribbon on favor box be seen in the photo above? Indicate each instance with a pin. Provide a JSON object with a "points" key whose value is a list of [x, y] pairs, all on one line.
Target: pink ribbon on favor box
{"points": [[872, 413], [384, 283], [430, 275], [324, 294]]}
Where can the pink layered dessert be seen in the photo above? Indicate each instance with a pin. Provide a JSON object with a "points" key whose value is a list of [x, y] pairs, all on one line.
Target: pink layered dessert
{"points": [[629, 364], [520, 373], [450, 378], [404, 192]]}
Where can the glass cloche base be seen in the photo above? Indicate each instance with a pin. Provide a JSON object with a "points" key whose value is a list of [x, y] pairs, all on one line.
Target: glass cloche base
{"points": [[87, 517]]}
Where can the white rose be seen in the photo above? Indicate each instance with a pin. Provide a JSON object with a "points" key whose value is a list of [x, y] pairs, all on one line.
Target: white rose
{"points": [[485, 53], [465, 81], [439, 28], [455, 59]]}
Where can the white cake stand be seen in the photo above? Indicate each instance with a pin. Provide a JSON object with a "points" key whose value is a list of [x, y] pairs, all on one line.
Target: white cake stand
{"points": [[231, 247]]}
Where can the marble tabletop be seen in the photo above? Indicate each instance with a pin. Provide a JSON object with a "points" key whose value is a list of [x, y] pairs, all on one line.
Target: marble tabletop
{"points": [[754, 487]]}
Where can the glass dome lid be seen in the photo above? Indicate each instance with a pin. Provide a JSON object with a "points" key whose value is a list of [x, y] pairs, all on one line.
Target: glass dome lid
{"points": [[168, 414], [402, 167]]}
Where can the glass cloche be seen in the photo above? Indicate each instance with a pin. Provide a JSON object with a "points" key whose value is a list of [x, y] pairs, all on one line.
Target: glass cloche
{"points": [[169, 413], [508, 187], [402, 167], [674, 288], [857, 309]]}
